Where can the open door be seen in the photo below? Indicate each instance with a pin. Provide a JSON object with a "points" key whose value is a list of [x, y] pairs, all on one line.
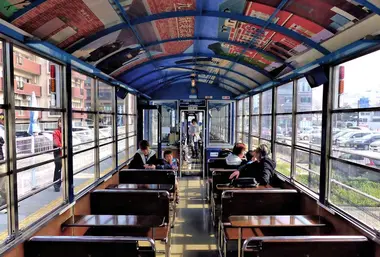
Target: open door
{"points": [[192, 142]]}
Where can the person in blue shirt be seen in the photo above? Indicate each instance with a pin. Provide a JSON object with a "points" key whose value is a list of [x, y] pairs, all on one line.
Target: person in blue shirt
{"points": [[170, 163]]}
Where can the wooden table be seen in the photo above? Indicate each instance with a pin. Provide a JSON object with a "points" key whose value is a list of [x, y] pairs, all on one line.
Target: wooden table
{"points": [[117, 221], [166, 187], [273, 221]]}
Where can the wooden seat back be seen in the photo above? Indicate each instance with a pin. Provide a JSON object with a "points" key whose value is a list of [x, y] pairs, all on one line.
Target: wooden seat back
{"points": [[220, 177], [147, 177], [311, 246], [215, 163], [80, 246], [130, 202], [260, 202]]}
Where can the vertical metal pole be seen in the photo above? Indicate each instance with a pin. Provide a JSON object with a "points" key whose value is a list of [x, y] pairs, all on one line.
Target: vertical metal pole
{"points": [[326, 138], [126, 102], [294, 129], [114, 129], [260, 114], [13, 222], [96, 129], [68, 135], [274, 128], [250, 122], [159, 130]]}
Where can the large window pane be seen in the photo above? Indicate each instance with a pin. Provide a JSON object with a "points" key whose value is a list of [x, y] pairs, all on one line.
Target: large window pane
{"points": [[34, 206], [356, 83], [283, 159], [284, 129], [82, 90], [356, 190], [121, 125], [307, 169], [308, 99], [122, 153], [121, 105], [83, 136], [256, 104], [240, 108], [255, 125], [254, 142], [131, 104], [131, 125], [267, 102], [309, 130], [239, 124], [38, 81], [285, 98], [132, 144], [219, 123], [266, 127], [105, 128], [84, 170], [246, 106], [106, 98]]}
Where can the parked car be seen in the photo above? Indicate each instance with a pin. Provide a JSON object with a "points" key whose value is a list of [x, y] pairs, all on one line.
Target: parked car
{"points": [[364, 142], [340, 134], [307, 134], [375, 146], [344, 141]]}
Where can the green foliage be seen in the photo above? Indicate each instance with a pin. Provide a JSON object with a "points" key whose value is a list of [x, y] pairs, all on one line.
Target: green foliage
{"points": [[283, 167]]}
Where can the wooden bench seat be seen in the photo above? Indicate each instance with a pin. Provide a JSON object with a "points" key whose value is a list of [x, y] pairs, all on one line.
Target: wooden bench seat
{"points": [[84, 246], [311, 246]]}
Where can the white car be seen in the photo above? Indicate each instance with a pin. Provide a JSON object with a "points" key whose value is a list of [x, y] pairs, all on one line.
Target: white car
{"points": [[375, 146]]}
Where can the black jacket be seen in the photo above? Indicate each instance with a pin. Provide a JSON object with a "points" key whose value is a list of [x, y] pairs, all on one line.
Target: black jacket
{"points": [[139, 160], [262, 171]]}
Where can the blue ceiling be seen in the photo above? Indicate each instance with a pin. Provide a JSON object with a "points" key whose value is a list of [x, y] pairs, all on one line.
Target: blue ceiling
{"points": [[238, 45]]}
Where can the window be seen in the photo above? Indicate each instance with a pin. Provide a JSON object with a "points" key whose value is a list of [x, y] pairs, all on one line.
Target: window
{"points": [[308, 134], [220, 122], [132, 125], [355, 145], [284, 128], [255, 121], [19, 58], [39, 173], [239, 123]]}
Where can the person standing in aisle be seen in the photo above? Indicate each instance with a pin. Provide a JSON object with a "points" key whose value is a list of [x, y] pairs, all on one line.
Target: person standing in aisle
{"points": [[194, 137], [57, 144]]}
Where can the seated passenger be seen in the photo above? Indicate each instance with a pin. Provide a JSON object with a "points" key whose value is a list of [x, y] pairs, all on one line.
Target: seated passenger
{"points": [[145, 158], [224, 153], [261, 168], [236, 158], [170, 163]]}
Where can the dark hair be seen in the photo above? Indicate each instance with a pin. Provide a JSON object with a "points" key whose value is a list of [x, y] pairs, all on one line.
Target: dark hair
{"points": [[193, 120], [144, 145], [249, 155], [238, 148], [167, 152]]}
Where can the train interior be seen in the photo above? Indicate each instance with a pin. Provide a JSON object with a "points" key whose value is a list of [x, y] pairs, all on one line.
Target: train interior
{"points": [[189, 128]]}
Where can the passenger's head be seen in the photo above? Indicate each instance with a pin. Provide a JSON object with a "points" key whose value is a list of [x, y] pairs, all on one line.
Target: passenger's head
{"points": [[144, 147], [262, 151], [239, 150], [193, 121], [168, 156], [2, 118], [250, 155]]}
